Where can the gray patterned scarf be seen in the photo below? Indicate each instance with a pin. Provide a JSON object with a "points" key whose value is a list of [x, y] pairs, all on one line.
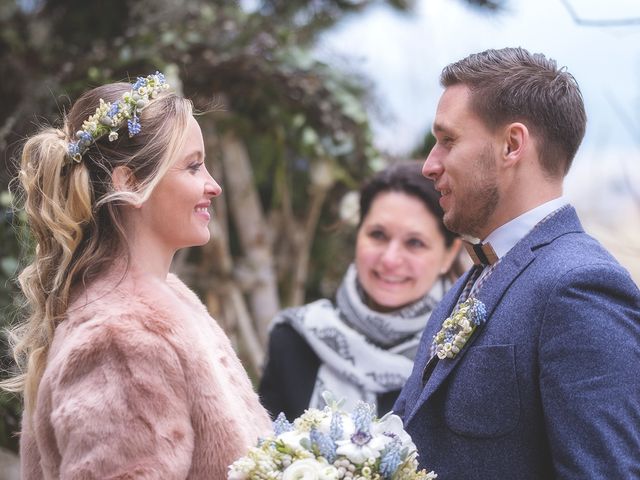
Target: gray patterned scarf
{"points": [[363, 352]]}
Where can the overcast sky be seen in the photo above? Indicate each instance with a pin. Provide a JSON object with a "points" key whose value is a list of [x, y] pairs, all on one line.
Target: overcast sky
{"points": [[404, 54]]}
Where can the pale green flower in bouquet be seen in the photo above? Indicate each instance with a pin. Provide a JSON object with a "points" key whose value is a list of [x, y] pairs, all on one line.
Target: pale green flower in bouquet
{"points": [[293, 441], [312, 418]]}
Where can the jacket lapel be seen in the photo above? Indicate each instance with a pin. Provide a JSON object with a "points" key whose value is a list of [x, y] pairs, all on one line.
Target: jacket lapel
{"points": [[494, 288]]}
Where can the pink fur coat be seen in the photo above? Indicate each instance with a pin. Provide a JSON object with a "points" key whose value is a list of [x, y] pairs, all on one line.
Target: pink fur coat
{"points": [[140, 383]]}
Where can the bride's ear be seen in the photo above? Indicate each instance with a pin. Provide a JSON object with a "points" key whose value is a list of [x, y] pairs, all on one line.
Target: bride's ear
{"points": [[123, 179]]}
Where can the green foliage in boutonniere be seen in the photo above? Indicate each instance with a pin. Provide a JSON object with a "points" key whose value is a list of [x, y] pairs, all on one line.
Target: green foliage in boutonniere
{"points": [[458, 328]]}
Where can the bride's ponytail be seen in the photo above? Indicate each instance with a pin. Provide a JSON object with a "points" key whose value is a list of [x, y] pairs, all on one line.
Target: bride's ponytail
{"points": [[58, 203], [57, 200]]}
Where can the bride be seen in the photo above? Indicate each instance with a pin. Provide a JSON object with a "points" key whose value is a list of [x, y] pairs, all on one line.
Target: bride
{"points": [[124, 372]]}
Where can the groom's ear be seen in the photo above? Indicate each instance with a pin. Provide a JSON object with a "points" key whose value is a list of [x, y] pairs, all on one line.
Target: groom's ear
{"points": [[516, 143]]}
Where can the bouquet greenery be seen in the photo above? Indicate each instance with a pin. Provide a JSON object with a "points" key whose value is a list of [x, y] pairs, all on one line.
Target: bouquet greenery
{"points": [[332, 444]]}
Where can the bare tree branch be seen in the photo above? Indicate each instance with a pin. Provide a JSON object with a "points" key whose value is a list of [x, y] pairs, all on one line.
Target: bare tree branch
{"points": [[234, 301], [613, 22], [634, 130], [301, 268]]}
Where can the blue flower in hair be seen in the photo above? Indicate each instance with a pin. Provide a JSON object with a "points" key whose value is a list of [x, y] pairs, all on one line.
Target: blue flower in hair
{"points": [[74, 151], [133, 125], [113, 111], [140, 82], [84, 139]]}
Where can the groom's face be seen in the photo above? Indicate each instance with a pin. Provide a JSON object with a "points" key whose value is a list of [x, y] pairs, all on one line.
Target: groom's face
{"points": [[463, 165]]}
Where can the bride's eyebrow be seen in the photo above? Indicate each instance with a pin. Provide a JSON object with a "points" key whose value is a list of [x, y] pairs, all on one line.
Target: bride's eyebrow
{"points": [[195, 155]]}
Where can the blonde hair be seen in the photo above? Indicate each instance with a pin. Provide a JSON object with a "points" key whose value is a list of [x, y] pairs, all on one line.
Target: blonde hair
{"points": [[74, 214]]}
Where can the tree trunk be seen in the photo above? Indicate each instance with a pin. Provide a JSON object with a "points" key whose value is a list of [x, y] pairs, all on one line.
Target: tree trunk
{"points": [[252, 231], [303, 247]]}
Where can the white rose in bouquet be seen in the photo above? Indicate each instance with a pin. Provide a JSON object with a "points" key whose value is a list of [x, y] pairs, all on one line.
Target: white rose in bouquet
{"points": [[310, 469], [331, 444]]}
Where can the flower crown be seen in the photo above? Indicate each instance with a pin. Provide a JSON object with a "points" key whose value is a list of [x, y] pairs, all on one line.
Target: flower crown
{"points": [[110, 117]]}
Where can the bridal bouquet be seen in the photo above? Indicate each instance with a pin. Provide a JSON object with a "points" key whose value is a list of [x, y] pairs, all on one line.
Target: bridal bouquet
{"points": [[331, 444]]}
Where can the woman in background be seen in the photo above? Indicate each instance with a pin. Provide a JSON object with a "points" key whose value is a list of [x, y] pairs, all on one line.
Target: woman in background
{"points": [[125, 373], [362, 346]]}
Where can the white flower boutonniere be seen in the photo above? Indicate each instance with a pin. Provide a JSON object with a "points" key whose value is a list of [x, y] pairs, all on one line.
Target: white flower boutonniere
{"points": [[458, 328]]}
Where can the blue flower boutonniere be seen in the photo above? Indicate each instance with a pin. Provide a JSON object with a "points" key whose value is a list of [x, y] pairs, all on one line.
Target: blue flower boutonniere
{"points": [[458, 328]]}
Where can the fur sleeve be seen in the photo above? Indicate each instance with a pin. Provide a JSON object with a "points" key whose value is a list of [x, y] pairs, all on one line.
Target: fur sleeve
{"points": [[119, 405]]}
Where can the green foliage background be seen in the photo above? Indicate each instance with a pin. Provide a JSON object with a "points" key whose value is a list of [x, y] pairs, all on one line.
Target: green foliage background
{"points": [[12, 239]]}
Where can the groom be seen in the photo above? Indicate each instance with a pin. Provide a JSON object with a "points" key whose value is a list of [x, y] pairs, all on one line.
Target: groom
{"points": [[547, 386]]}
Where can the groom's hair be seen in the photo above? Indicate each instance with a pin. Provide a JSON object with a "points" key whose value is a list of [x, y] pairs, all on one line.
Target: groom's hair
{"points": [[513, 85]]}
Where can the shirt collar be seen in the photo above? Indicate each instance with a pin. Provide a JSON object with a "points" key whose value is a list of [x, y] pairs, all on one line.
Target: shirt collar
{"points": [[503, 238]]}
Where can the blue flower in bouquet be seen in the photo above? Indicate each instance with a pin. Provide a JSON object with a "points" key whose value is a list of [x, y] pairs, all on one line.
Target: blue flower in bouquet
{"points": [[331, 444]]}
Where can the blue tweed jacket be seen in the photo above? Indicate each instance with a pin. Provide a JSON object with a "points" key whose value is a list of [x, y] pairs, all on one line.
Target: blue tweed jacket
{"points": [[548, 388]]}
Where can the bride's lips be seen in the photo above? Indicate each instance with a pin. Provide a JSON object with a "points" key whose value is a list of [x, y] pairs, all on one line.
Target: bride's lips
{"points": [[202, 210]]}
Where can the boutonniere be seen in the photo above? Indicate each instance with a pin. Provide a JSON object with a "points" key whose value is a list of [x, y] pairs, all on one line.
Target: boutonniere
{"points": [[458, 328]]}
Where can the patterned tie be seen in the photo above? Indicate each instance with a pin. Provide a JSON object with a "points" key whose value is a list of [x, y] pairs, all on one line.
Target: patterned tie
{"points": [[481, 278], [468, 287]]}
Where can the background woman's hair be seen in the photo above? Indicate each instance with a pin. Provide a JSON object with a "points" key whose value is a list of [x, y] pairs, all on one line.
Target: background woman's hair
{"points": [[74, 213], [406, 177]]}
